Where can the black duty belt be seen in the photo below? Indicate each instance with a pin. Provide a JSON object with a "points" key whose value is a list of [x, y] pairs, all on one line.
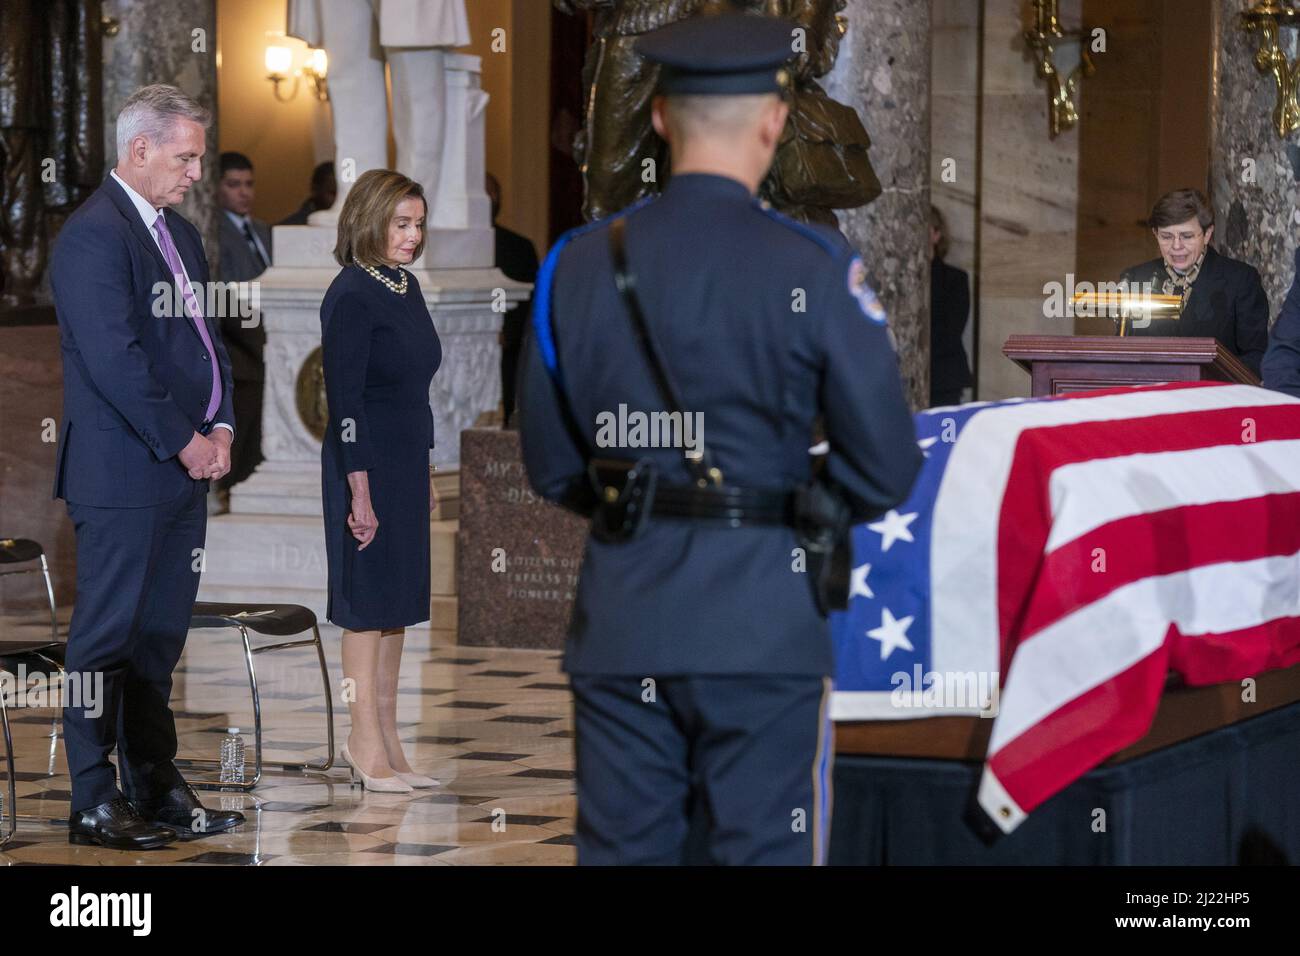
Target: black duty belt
{"points": [[734, 506]]}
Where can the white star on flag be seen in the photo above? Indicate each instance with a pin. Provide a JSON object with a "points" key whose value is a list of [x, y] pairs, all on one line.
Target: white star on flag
{"points": [[893, 527], [891, 634], [859, 583]]}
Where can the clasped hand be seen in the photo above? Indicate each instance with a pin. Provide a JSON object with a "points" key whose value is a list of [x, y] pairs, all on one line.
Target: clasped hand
{"points": [[207, 457]]}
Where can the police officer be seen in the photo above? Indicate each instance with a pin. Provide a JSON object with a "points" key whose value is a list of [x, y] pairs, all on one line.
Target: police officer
{"points": [[698, 656]]}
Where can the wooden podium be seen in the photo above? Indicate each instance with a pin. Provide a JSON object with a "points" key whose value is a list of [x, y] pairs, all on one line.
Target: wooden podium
{"points": [[1058, 364]]}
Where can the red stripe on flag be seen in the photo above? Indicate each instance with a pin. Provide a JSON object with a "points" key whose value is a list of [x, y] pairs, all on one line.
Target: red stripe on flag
{"points": [[1157, 543], [1025, 518], [1231, 656], [1073, 739], [1078, 736]]}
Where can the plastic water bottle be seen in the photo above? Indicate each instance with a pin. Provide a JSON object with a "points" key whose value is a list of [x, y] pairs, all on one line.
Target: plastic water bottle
{"points": [[232, 756]]}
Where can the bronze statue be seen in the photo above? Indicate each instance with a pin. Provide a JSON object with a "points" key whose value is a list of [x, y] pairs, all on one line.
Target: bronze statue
{"points": [[51, 100], [821, 165]]}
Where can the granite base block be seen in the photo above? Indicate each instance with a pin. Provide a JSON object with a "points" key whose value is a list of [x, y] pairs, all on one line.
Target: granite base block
{"points": [[518, 556]]}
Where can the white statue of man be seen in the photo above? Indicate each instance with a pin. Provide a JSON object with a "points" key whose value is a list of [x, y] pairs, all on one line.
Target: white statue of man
{"points": [[357, 36]]}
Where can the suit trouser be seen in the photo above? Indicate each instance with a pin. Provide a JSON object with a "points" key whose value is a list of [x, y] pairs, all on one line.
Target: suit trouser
{"points": [[749, 754], [137, 577]]}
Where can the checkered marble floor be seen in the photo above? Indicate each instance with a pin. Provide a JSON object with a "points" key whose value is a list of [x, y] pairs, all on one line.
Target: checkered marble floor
{"points": [[495, 726]]}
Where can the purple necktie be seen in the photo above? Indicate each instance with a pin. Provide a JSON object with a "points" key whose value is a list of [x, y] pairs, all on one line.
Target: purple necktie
{"points": [[196, 313]]}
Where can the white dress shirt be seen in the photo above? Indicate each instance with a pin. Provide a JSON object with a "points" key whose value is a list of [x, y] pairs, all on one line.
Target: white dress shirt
{"points": [[149, 213]]}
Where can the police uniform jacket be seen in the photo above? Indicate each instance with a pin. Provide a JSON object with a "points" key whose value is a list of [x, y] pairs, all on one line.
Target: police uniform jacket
{"points": [[763, 324]]}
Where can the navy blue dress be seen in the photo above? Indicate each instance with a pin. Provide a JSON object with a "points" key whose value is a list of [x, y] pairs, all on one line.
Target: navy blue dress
{"points": [[380, 352]]}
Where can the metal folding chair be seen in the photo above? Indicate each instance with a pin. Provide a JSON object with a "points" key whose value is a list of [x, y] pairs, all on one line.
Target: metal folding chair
{"points": [[44, 654], [276, 620], [24, 551]]}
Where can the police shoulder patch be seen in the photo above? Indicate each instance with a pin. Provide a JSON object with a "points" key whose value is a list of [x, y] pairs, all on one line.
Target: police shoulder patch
{"points": [[866, 296]]}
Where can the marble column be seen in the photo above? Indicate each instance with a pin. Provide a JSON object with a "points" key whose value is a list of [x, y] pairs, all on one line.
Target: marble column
{"points": [[1027, 197], [1255, 221], [883, 71], [166, 41]]}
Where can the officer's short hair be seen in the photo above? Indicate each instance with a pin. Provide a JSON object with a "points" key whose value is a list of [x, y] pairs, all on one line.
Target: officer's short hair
{"points": [[369, 208], [693, 113]]}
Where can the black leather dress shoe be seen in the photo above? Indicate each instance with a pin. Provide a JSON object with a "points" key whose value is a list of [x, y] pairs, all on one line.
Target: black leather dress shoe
{"points": [[116, 824], [180, 808]]}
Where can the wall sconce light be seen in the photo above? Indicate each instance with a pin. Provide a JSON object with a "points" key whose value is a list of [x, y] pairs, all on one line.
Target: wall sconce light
{"points": [[1043, 39], [1268, 17], [282, 53]]}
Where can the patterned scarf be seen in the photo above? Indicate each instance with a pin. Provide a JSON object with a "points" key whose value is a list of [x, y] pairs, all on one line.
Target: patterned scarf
{"points": [[1182, 284]]}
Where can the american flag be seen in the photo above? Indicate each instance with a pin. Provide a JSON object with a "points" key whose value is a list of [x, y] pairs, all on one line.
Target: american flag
{"points": [[1081, 547]]}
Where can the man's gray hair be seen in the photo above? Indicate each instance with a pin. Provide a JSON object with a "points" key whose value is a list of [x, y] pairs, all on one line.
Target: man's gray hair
{"points": [[152, 112]]}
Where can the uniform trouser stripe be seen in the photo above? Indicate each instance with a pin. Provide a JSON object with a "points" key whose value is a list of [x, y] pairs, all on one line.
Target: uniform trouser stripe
{"points": [[823, 794]]}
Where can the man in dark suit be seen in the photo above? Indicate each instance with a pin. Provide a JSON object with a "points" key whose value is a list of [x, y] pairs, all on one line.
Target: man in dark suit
{"points": [[147, 421], [1222, 298], [323, 190], [245, 250], [516, 257], [1281, 365]]}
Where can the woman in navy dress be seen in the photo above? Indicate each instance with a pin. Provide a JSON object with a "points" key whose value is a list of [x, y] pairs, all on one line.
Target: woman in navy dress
{"points": [[380, 352]]}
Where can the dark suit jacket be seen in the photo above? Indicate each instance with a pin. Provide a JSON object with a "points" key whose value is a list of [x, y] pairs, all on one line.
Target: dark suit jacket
{"points": [[238, 264], [246, 344], [1227, 303], [949, 310], [714, 272], [1282, 360], [516, 257], [135, 386]]}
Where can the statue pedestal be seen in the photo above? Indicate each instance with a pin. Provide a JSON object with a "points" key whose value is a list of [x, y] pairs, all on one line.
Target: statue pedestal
{"points": [[271, 546]]}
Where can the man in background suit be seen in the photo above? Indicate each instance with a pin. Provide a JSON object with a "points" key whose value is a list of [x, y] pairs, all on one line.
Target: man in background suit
{"points": [[147, 420], [1281, 366], [321, 195], [245, 249], [517, 259]]}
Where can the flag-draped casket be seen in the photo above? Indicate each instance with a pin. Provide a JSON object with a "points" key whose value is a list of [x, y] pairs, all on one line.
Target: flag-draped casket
{"points": [[1058, 557]]}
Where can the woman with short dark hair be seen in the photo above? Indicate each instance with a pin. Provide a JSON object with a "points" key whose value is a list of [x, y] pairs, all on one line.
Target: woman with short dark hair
{"points": [[380, 352], [1222, 298]]}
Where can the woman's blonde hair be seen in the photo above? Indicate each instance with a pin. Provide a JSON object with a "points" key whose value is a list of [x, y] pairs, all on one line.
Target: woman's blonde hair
{"points": [[369, 208]]}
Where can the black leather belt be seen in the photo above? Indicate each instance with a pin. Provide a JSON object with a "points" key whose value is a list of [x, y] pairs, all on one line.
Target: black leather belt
{"points": [[735, 506]]}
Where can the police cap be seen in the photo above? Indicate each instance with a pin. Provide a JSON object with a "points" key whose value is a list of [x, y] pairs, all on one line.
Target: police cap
{"points": [[728, 54]]}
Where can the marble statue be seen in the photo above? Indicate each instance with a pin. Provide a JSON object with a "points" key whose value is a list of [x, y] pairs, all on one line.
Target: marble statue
{"points": [[414, 37]]}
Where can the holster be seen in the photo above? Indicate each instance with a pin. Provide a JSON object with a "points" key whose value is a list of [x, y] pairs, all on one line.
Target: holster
{"points": [[625, 494], [822, 522]]}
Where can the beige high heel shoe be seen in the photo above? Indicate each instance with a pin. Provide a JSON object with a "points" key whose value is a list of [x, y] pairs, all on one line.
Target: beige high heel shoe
{"points": [[374, 784], [418, 781]]}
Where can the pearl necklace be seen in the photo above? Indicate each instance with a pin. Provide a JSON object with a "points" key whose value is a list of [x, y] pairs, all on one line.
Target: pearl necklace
{"points": [[398, 287]]}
